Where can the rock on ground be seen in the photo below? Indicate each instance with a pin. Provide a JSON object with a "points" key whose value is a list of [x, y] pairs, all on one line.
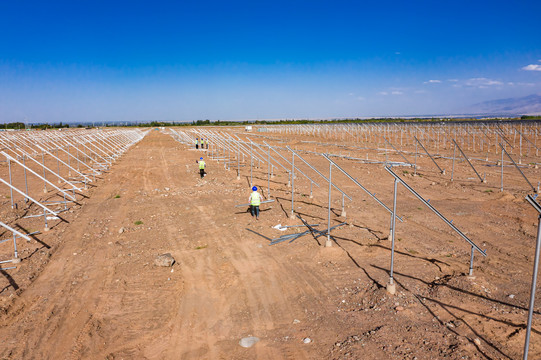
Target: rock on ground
{"points": [[164, 260]]}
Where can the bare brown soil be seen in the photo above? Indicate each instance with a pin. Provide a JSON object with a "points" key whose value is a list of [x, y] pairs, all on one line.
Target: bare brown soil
{"points": [[86, 290]]}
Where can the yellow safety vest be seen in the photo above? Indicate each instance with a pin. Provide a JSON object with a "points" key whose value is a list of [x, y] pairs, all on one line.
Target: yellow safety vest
{"points": [[255, 199], [201, 165]]}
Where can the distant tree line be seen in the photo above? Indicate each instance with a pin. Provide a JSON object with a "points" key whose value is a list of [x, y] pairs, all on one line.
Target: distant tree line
{"points": [[20, 125], [306, 121]]}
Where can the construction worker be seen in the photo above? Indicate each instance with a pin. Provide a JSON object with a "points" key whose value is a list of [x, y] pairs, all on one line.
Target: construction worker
{"points": [[255, 201], [197, 143], [206, 143], [201, 167]]}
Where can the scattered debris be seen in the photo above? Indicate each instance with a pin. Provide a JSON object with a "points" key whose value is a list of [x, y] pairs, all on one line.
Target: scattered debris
{"points": [[280, 227]]}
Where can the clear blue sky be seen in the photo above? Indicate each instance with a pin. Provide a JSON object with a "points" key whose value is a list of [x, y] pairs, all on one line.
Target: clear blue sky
{"points": [[174, 60]]}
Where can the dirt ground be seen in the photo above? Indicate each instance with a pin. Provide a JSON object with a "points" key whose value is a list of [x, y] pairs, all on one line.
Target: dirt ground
{"points": [[89, 289]]}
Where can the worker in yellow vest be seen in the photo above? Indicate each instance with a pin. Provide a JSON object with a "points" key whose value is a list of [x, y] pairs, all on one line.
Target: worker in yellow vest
{"points": [[255, 201], [201, 167]]}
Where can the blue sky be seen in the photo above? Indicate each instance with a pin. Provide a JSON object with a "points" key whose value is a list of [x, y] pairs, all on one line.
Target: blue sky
{"points": [[174, 60]]}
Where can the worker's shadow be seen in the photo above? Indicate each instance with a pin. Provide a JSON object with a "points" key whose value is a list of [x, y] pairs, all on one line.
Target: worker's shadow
{"points": [[248, 210]]}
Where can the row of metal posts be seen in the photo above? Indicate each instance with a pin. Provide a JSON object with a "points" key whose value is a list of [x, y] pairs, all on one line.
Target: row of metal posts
{"points": [[473, 246], [292, 172], [467, 133], [427, 203], [499, 132], [115, 144], [110, 145], [292, 176]]}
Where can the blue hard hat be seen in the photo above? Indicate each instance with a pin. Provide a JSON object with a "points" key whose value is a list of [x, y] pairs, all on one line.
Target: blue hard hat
{"points": [[254, 188], [200, 158]]}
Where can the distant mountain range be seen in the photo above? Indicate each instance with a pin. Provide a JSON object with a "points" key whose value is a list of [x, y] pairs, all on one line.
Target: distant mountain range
{"points": [[527, 105]]}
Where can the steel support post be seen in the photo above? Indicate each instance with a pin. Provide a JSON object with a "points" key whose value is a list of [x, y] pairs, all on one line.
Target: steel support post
{"points": [[391, 288], [25, 179], [268, 173], [77, 157], [534, 285], [43, 162], [328, 243], [501, 188], [228, 155], [470, 273], [58, 163], [415, 171], [292, 186], [519, 149], [10, 183], [453, 168], [45, 220], [238, 161], [15, 251]]}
